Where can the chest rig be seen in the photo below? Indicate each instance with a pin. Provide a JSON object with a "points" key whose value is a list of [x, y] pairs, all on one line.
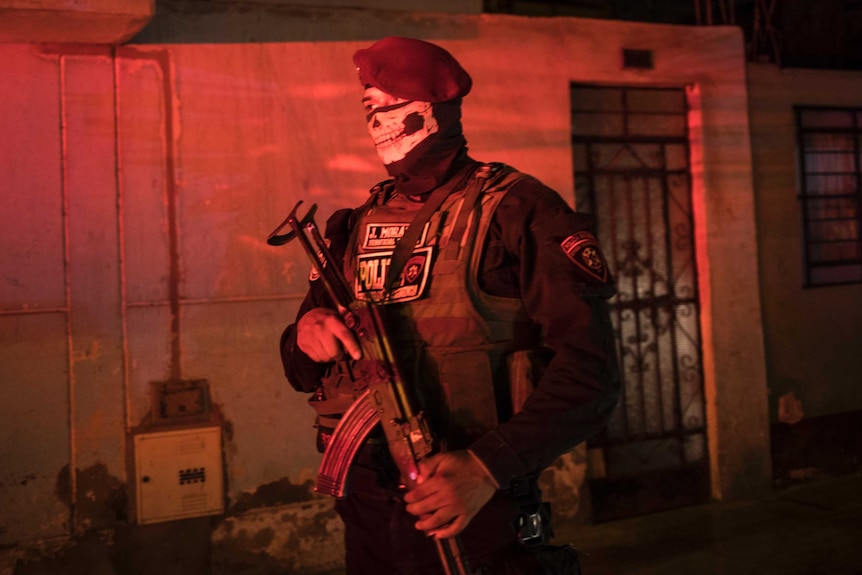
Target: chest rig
{"points": [[452, 341]]}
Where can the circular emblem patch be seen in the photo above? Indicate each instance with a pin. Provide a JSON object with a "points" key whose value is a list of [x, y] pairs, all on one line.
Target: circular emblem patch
{"points": [[583, 249]]}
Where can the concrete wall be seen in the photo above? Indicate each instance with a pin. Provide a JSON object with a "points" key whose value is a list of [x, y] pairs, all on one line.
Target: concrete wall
{"points": [[139, 186], [84, 21], [813, 335]]}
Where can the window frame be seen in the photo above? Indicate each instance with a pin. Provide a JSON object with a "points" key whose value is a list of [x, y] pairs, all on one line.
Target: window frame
{"points": [[812, 266]]}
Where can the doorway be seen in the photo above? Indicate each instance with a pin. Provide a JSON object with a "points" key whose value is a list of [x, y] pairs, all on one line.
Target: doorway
{"points": [[632, 173]]}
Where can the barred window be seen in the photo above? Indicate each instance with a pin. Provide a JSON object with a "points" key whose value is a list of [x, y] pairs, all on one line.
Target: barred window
{"points": [[830, 162]]}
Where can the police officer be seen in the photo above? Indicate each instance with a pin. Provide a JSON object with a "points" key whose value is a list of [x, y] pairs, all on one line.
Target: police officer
{"points": [[497, 299]]}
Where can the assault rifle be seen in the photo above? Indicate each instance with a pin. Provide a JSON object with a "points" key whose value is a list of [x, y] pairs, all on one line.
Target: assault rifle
{"points": [[388, 400]]}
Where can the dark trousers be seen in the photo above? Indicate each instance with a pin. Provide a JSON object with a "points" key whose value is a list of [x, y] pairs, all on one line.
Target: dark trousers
{"points": [[380, 537]]}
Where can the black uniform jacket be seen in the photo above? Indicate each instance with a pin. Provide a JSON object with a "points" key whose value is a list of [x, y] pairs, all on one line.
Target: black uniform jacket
{"points": [[537, 249]]}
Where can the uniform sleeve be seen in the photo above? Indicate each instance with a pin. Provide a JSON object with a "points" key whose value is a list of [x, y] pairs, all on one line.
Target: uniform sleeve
{"points": [[556, 267], [301, 371]]}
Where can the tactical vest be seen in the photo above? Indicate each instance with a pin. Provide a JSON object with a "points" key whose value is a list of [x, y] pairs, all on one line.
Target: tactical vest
{"points": [[454, 342]]}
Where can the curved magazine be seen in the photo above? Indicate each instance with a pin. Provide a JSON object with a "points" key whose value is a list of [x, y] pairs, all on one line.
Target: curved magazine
{"points": [[348, 437]]}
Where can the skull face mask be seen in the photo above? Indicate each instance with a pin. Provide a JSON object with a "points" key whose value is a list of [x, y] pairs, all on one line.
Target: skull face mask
{"points": [[398, 128], [417, 140]]}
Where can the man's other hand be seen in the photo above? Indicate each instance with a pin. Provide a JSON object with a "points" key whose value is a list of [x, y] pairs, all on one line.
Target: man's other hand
{"points": [[452, 488]]}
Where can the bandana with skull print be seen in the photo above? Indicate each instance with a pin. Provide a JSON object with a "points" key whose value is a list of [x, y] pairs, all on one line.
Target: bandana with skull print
{"points": [[398, 129], [420, 143]]}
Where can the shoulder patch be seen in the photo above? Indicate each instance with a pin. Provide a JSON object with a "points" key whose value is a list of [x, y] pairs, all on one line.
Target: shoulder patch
{"points": [[582, 248], [314, 274]]}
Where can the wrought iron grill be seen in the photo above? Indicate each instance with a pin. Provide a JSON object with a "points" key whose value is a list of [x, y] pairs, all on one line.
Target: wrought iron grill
{"points": [[631, 159]]}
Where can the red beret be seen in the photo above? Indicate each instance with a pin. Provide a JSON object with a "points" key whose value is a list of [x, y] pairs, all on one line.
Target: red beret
{"points": [[412, 69]]}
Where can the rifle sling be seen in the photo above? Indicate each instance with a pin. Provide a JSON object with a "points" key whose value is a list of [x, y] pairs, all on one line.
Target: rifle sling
{"points": [[404, 248]]}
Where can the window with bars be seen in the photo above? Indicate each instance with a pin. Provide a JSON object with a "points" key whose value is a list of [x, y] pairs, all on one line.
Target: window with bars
{"points": [[830, 166]]}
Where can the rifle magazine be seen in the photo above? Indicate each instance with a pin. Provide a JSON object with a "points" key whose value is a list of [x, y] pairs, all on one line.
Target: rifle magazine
{"points": [[348, 437]]}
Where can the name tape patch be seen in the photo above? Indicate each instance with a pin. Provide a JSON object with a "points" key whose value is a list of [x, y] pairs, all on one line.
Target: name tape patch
{"points": [[385, 236]]}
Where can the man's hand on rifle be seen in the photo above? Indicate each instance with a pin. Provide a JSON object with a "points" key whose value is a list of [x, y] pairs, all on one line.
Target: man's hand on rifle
{"points": [[322, 336], [452, 488]]}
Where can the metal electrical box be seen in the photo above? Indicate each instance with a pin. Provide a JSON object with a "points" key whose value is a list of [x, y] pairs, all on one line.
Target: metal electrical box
{"points": [[178, 474]]}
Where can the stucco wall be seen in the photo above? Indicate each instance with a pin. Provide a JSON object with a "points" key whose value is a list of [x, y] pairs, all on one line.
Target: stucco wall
{"points": [[813, 336], [103, 153]]}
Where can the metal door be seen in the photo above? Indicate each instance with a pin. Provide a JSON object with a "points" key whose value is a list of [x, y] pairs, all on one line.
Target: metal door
{"points": [[631, 159]]}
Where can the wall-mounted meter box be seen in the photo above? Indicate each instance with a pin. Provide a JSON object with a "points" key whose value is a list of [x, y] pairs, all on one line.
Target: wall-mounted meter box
{"points": [[178, 474]]}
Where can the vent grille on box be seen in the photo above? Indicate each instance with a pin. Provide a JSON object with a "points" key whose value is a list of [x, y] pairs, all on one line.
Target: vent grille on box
{"points": [[193, 475]]}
